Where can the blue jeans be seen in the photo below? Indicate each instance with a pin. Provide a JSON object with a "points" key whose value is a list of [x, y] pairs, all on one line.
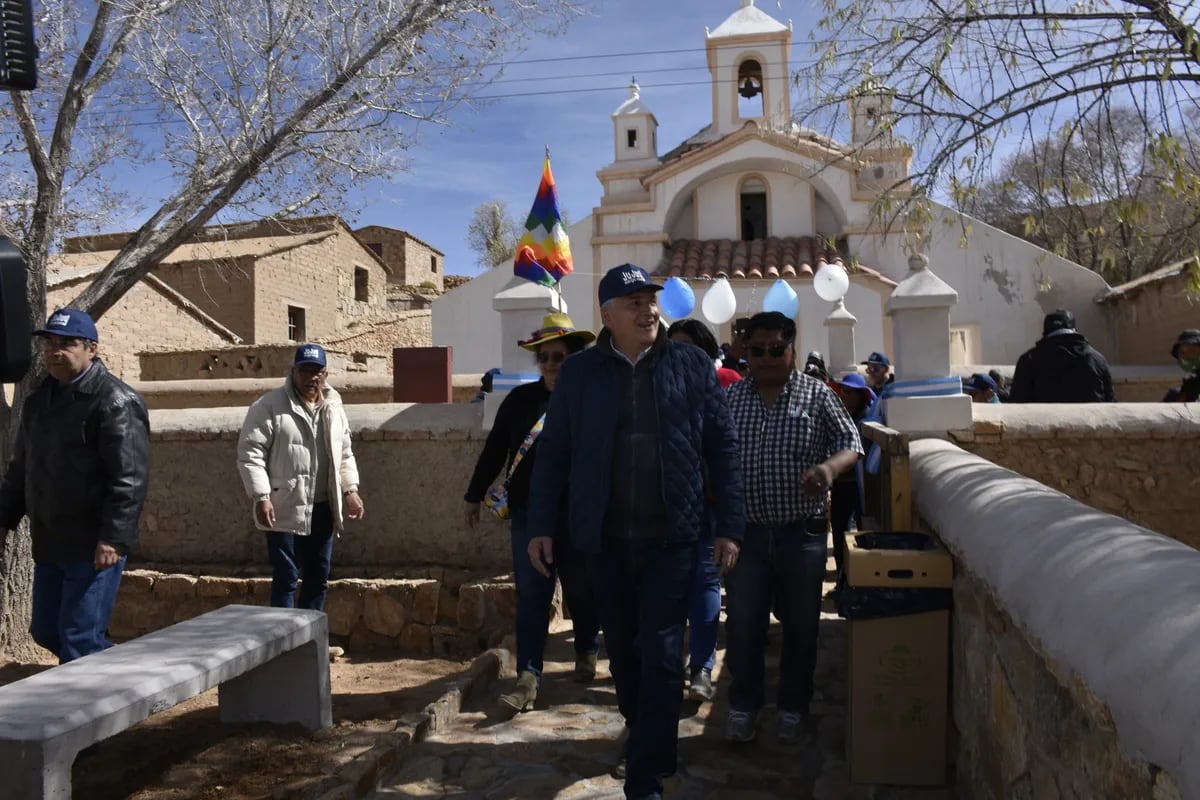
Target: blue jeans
{"points": [[302, 560], [643, 589], [72, 604], [786, 562], [535, 593], [704, 614]]}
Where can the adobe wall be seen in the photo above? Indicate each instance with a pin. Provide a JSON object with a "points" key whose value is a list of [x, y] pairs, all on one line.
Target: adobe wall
{"points": [[1076, 643], [224, 291], [351, 255], [270, 361], [301, 277], [1136, 460], [141, 315], [1148, 318], [405, 329], [355, 388], [408, 257], [415, 462]]}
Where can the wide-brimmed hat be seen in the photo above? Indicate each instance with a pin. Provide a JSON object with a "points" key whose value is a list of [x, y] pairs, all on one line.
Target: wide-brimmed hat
{"points": [[852, 380], [556, 326], [1190, 336]]}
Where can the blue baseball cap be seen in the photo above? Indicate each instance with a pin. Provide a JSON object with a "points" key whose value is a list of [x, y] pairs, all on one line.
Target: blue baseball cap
{"points": [[623, 280], [852, 380], [980, 383], [70, 322], [878, 360], [311, 354]]}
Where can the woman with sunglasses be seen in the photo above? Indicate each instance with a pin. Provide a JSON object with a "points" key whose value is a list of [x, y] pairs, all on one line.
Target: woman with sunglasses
{"points": [[519, 413]]}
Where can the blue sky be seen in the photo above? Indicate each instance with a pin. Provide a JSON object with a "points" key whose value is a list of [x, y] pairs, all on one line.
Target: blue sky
{"points": [[495, 150]]}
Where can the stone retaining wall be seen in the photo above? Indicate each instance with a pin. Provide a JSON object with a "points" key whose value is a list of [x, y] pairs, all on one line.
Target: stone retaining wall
{"points": [[446, 613], [355, 389], [1076, 639], [414, 461], [1137, 461]]}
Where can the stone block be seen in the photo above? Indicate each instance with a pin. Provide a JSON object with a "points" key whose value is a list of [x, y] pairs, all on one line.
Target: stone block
{"points": [[138, 580], [175, 586], [220, 587], [501, 604], [344, 607], [447, 605], [471, 607], [417, 638], [426, 595], [384, 613]]}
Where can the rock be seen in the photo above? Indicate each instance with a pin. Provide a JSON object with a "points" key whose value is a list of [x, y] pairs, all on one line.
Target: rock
{"points": [[335, 653], [470, 607], [175, 586], [220, 587], [426, 595], [416, 638], [344, 607], [383, 614]]}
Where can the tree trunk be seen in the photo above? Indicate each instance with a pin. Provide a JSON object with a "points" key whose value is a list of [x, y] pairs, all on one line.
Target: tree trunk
{"points": [[16, 597]]}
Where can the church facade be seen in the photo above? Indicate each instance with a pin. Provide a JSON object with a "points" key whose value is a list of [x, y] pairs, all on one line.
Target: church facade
{"points": [[755, 198]]}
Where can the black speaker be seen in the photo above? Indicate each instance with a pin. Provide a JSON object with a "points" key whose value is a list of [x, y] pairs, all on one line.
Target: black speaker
{"points": [[18, 51], [15, 329]]}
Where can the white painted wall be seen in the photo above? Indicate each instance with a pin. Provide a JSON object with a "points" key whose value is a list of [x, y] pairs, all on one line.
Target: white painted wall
{"points": [[464, 318]]}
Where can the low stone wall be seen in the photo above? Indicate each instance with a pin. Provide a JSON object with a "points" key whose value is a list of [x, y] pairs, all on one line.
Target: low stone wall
{"points": [[1131, 383], [1133, 460], [1076, 639], [355, 389], [445, 613], [414, 460]]}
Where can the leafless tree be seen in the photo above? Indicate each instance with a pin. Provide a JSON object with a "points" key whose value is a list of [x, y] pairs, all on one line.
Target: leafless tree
{"points": [[970, 83], [493, 233], [262, 107]]}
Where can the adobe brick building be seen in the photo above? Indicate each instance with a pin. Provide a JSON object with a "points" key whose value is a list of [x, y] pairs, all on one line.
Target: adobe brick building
{"points": [[255, 283], [411, 262]]}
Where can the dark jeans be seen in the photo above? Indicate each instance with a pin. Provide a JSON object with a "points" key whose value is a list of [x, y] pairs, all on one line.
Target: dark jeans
{"points": [[788, 563], [843, 508], [704, 614], [302, 560], [535, 593], [72, 604], [643, 589]]}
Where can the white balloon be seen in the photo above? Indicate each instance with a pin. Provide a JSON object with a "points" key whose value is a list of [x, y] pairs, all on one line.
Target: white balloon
{"points": [[719, 304], [831, 282]]}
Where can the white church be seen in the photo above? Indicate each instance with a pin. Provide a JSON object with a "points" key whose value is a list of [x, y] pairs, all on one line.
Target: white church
{"points": [[754, 198]]}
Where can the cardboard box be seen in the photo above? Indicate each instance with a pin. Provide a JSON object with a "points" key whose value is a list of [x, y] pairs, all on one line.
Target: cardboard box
{"points": [[898, 687]]}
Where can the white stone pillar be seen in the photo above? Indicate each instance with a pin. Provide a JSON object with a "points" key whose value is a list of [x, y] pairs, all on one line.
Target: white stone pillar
{"points": [[840, 323], [920, 311], [521, 305]]}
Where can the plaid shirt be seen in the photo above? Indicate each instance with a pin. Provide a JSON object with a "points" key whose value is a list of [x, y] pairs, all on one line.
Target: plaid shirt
{"points": [[806, 425]]}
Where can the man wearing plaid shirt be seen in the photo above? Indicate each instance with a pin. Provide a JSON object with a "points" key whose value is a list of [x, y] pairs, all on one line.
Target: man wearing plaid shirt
{"points": [[795, 438]]}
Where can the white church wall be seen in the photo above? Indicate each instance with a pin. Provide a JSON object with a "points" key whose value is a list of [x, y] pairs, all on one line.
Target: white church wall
{"points": [[717, 208], [465, 320]]}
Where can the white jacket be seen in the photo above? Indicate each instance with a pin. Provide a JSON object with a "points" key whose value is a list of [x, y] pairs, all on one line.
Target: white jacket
{"points": [[277, 457]]}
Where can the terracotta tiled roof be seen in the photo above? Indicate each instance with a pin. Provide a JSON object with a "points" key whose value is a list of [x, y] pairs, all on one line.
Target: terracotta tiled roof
{"points": [[775, 257]]}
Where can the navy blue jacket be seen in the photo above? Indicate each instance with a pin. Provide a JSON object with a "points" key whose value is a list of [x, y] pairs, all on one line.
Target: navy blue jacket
{"points": [[697, 440]]}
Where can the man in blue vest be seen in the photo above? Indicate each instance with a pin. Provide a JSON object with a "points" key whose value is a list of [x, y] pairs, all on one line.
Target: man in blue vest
{"points": [[637, 429]]}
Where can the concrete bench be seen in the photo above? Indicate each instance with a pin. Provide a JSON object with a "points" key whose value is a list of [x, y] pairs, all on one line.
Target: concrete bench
{"points": [[272, 665]]}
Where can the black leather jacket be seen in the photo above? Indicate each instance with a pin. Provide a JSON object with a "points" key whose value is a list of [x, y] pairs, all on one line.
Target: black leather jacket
{"points": [[79, 468]]}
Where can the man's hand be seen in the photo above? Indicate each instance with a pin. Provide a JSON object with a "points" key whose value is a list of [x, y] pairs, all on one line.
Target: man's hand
{"points": [[354, 506], [264, 512], [541, 553], [471, 514], [818, 480], [725, 554], [106, 556]]}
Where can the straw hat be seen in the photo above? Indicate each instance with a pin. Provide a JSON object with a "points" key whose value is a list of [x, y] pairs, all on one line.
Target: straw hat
{"points": [[556, 326]]}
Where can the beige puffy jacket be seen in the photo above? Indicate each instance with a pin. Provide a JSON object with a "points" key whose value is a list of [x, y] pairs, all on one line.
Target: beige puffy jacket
{"points": [[277, 459]]}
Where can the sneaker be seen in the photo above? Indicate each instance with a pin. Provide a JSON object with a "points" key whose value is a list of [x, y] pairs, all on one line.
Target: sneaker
{"points": [[740, 727], [789, 727], [525, 693], [702, 686], [585, 668]]}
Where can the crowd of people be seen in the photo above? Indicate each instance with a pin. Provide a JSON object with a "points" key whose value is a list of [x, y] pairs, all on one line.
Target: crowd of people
{"points": [[644, 469]]}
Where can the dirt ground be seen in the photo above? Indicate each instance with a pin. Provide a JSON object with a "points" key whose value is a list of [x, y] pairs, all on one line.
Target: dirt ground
{"points": [[185, 753]]}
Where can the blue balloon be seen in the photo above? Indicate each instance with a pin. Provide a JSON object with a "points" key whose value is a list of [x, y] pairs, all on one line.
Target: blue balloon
{"points": [[782, 298], [676, 299]]}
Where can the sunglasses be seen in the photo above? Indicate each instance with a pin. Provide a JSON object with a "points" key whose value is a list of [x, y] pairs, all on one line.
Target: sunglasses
{"points": [[556, 357], [774, 351]]}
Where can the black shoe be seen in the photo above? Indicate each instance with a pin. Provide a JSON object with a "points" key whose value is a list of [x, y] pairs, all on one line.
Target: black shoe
{"points": [[702, 686]]}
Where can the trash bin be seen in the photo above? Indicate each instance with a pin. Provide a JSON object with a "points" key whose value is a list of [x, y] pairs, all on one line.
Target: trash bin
{"points": [[897, 606]]}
